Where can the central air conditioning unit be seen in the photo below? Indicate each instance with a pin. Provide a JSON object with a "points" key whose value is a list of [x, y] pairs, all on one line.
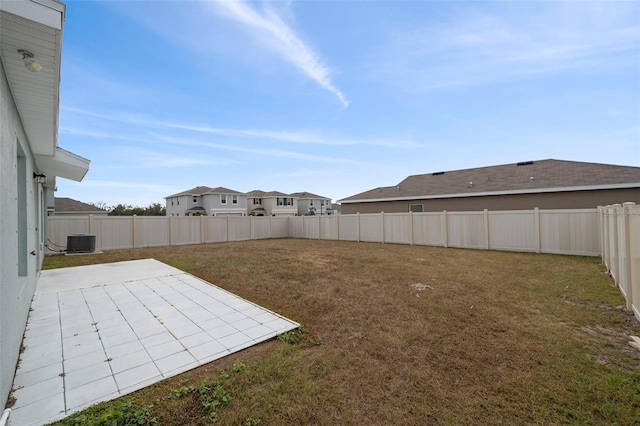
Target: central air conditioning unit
{"points": [[81, 243]]}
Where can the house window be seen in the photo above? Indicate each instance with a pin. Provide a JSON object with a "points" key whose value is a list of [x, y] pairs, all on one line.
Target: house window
{"points": [[195, 199], [284, 201], [223, 199], [234, 199], [178, 202], [172, 203], [257, 201], [416, 208]]}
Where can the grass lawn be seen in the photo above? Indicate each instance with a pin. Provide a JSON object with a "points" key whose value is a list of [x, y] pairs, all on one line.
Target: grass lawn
{"points": [[497, 338]]}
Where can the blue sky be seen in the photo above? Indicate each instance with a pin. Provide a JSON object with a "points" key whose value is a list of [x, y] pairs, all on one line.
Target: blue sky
{"points": [[339, 97]]}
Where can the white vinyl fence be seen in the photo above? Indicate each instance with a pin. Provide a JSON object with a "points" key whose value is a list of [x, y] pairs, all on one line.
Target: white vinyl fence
{"points": [[620, 248], [541, 231]]}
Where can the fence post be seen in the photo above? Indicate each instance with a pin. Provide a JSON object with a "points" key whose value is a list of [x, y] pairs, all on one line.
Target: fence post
{"points": [[536, 229], [382, 225], [202, 229], [251, 227], [271, 226], [228, 237], [338, 227], [304, 230], [445, 229], [91, 225], [319, 226], [615, 245], [134, 227], [626, 258], [410, 228], [486, 229], [170, 230], [358, 225]]}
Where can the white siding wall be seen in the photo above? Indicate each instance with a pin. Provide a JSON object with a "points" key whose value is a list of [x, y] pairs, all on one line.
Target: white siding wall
{"points": [[18, 212]]}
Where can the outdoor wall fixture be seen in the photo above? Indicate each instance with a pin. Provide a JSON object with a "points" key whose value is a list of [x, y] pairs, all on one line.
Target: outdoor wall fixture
{"points": [[29, 62], [40, 178]]}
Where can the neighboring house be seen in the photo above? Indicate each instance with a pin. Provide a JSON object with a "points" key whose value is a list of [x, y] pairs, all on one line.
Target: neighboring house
{"points": [[336, 208], [71, 207], [273, 203], [308, 203], [203, 200], [30, 52], [546, 184]]}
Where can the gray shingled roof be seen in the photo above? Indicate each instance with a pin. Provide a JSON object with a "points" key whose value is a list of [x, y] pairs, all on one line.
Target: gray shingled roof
{"points": [[256, 193], [308, 195], [201, 190], [530, 176], [63, 204]]}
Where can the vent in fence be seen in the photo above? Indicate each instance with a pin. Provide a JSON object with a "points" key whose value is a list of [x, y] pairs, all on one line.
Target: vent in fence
{"points": [[81, 243]]}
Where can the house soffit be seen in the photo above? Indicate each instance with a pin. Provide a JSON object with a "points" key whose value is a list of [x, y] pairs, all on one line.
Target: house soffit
{"points": [[37, 28]]}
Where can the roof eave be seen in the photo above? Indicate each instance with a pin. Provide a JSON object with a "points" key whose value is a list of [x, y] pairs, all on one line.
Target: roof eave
{"points": [[507, 192], [63, 164]]}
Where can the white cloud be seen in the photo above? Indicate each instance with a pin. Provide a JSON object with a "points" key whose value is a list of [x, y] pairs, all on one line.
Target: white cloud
{"points": [[287, 136], [475, 47], [271, 30]]}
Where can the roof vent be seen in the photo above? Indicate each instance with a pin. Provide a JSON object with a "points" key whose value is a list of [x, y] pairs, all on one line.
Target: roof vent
{"points": [[531, 179], [525, 163], [437, 173], [470, 183]]}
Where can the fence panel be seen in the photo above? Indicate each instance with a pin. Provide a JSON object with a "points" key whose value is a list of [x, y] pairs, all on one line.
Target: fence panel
{"points": [[370, 228], [569, 232], [260, 227], [348, 229], [428, 229], [329, 227], [512, 230], [214, 229], [311, 228], [113, 232], [397, 228], [296, 227], [60, 227], [185, 230], [239, 228], [622, 280], [280, 226], [152, 231], [466, 229]]}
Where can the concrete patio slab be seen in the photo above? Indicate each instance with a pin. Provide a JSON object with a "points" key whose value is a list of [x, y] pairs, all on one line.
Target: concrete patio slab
{"points": [[98, 332]]}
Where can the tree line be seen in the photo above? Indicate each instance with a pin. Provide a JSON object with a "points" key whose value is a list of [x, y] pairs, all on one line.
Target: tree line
{"points": [[154, 209]]}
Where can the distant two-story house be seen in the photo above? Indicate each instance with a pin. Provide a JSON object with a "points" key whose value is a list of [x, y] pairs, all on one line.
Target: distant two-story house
{"points": [[272, 203], [203, 200], [309, 203]]}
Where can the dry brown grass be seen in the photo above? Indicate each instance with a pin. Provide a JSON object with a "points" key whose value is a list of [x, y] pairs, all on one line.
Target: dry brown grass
{"points": [[501, 338]]}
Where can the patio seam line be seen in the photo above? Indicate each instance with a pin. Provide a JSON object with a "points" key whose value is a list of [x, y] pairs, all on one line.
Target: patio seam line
{"points": [[95, 325], [170, 304], [64, 374], [153, 361]]}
